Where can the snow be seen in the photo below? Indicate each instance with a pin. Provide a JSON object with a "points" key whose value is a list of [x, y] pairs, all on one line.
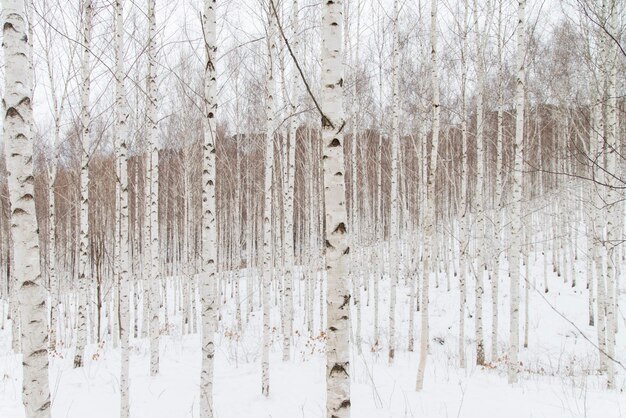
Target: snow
{"points": [[559, 377]]}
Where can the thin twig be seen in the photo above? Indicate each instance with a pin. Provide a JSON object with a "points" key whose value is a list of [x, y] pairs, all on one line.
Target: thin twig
{"points": [[325, 120], [575, 326]]}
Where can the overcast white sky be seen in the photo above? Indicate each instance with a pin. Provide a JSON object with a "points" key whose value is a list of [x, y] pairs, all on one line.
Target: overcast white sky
{"points": [[239, 22]]}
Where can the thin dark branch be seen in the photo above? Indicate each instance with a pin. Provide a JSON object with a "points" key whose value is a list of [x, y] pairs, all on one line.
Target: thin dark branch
{"points": [[325, 120]]}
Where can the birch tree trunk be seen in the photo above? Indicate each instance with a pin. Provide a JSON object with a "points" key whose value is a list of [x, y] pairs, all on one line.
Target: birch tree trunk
{"points": [[249, 242], [612, 219], [429, 221], [514, 256], [145, 252], [58, 108], [526, 260], [84, 278], [395, 145], [479, 201], [268, 266], [597, 142], [155, 266], [336, 241], [498, 193], [52, 256], [355, 272], [209, 228], [463, 220], [290, 193], [121, 130], [18, 143]]}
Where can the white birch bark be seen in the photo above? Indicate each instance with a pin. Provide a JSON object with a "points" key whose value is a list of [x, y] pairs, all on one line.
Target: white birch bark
{"points": [[238, 229], [355, 260], [121, 130], [209, 227], [154, 280], [589, 269], [380, 226], [480, 185], [58, 108], [412, 271], [186, 267], [52, 256], [612, 218], [268, 267], [145, 252], [526, 294], [498, 193], [596, 147], [429, 221], [336, 240], [601, 306], [514, 256], [290, 193], [84, 274], [395, 145], [463, 221], [249, 244], [18, 143]]}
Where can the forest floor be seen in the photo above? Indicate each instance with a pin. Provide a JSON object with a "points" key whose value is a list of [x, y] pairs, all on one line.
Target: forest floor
{"points": [[559, 368]]}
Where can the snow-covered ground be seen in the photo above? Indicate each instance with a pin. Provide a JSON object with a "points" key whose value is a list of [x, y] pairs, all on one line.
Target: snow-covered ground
{"points": [[559, 377]]}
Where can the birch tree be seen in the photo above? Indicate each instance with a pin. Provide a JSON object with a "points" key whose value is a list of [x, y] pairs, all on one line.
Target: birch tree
{"points": [[481, 264], [612, 220], [59, 98], [514, 256], [268, 266], [18, 143], [498, 190], [209, 229], [121, 130], [429, 221], [84, 273], [395, 145], [290, 192], [151, 129], [336, 240], [463, 242], [354, 261]]}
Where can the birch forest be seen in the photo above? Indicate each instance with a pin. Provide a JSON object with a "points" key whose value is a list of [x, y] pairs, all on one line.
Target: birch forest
{"points": [[304, 208]]}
